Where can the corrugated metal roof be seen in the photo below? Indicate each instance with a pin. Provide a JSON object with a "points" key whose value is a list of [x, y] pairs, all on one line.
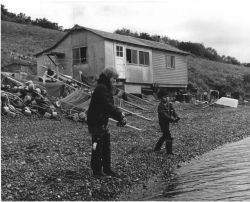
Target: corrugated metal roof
{"points": [[121, 38]]}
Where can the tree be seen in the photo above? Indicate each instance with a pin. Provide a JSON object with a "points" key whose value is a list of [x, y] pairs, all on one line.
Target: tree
{"points": [[22, 18], [144, 35], [212, 54], [174, 43], [6, 15], [43, 22], [165, 39], [126, 32], [156, 38], [195, 48], [231, 60], [4, 11], [246, 64]]}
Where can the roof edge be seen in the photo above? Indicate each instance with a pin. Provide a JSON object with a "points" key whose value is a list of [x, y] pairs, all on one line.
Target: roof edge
{"points": [[79, 28]]}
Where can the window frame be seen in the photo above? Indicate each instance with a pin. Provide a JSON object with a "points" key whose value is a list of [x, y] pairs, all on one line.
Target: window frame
{"points": [[172, 61], [133, 57], [78, 54], [144, 53], [119, 51]]}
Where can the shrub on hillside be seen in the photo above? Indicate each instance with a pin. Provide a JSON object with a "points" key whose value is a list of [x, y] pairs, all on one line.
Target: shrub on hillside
{"points": [[246, 83], [22, 18], [246, 64], [235, 83]]}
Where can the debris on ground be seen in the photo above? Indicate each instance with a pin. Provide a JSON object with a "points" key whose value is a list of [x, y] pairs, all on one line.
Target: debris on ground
{"points": [[44, 160], [25, 98], [49, 160], [229, 102]]}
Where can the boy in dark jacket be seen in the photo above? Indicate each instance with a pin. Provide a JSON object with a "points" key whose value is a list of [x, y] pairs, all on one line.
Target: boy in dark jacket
{"points": [[102, 108], [166, 115]]}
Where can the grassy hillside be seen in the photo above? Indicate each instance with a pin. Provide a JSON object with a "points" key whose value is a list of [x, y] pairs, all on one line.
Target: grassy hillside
{"points": [[205, 74], [21, 41]]}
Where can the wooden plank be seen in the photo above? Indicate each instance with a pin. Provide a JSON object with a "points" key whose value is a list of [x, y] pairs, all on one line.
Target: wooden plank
{"points": [[57, 72], [136, 97], [74, 80], [133, 104], [62, 82], [14, 80], [60, 74]]}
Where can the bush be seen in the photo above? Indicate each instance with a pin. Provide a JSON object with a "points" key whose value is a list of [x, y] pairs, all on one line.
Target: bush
{"points": [[23, 19]]}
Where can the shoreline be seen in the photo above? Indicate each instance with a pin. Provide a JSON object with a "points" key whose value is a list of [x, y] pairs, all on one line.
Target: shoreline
{"points": [[54, 156]]}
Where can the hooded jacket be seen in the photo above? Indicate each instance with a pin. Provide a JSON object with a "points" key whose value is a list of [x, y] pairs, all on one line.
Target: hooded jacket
{"points": [[101, 106]]}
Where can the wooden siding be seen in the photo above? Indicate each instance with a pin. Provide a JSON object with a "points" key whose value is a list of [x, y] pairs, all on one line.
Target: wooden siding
{"points": [[134, 73], [95, 55], [132, 88], [109, 54], [162, 75], [65, 63], [139, 73], [43, 60], [101, 53]]}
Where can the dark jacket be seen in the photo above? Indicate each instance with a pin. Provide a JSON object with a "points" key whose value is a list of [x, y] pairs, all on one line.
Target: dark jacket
{"points": [[166, 113], [50, 72], [101, 106]]}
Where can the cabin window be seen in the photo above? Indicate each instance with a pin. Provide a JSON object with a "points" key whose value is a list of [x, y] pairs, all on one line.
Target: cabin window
{"points": [[170, 61], [143, 58], [131, 56], [79, 55], [119, 51]]}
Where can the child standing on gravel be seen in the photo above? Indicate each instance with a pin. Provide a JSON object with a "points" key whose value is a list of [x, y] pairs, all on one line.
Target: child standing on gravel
{"points": [[166, 115]]}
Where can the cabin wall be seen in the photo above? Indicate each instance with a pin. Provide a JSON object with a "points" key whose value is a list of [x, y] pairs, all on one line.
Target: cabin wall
{"points": [[109, 54], [134, 73], [64, 63], [43, 60], [102, 52], [95, 53], [169, 76], [139, 73]]}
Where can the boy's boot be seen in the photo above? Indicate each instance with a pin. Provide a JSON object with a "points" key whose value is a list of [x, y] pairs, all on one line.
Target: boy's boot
{"points": [[169, 143], [158, 145]]}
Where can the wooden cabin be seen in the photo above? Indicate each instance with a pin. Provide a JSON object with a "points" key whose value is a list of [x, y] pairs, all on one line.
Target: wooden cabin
{"points": [[140, 63]]}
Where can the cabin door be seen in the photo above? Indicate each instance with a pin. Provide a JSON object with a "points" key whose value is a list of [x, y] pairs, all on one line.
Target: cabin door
{"points": [[120, 61]]}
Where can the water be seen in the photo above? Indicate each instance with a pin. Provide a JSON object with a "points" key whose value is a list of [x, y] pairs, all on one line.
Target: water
{"points": [[222, 174]]}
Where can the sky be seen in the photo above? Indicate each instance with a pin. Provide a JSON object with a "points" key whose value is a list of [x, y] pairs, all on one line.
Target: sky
{"points": [[221, 24]]}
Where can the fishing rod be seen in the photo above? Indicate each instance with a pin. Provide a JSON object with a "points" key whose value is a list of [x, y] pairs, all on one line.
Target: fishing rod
{"points": [[130, 126], [127, 125], [135, 114]]}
